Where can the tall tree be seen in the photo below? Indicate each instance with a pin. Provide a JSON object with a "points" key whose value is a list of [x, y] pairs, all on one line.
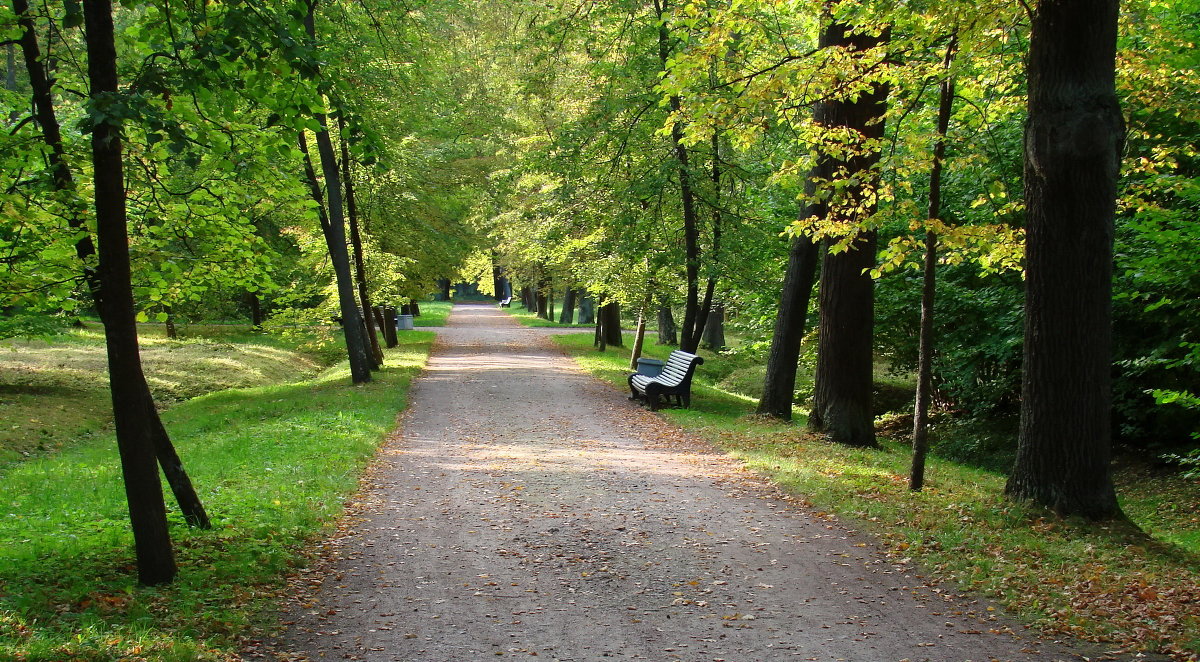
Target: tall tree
{"points": [[924, 395], [135, 434], [1074, 135], [335, 237], [63, 181], [843, 379]]}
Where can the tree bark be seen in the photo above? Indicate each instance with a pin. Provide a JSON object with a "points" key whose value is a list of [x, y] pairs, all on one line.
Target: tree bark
{"points": [[335, 239], [689, 340], [1074, 135], [924, 395], [779, 387], [843, 381], [667, 331], [714, 330], [587, 309], [360, 262], [256, 315], [64, 181], [568, 309], [135, 440], [610, 316]]}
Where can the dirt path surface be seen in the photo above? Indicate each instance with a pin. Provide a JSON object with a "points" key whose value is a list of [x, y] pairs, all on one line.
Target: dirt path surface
{"points": [[522, 510]]}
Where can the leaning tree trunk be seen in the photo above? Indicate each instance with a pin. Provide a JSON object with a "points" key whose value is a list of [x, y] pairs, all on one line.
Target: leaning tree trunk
{"points": [[360, 262], [181, 485], [779, 387], [924, 395], [1074, 135], [843, 381], [135, 436]]}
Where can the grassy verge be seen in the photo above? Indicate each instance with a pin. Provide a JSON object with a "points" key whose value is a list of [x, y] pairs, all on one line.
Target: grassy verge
{"points": [[530, 318], [434, 313], [1136, 589], [273, 465], [54, 390]]}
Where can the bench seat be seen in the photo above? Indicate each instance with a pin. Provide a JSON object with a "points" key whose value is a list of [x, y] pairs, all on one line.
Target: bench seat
{"points": [[674, 381]]}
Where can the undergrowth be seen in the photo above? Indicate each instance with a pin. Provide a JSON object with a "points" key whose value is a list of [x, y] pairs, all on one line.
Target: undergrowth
{"points": [[1135, 586]]}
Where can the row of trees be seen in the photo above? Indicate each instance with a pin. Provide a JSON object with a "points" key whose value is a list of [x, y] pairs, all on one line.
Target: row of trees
{"points": [[163, 156], [966, 150], [302, 161]]}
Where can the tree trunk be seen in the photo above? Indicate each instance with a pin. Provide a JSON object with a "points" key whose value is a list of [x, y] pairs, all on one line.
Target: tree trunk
{"points": [[924, 395], [779, 387], [587, 309], [639, 337], [360, 263], [667, 331], [443, 289], [135, 440], [1074, 135], [256, 315], [714, 330], [541, 303], [610, 313], [172, 334], [843, 380], [689, 340], [181, 486], [568, 309], [335, 238]]}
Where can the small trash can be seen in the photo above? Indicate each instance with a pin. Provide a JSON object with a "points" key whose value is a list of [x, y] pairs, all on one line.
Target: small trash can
{"points": [[649, 367], [404, 323]]}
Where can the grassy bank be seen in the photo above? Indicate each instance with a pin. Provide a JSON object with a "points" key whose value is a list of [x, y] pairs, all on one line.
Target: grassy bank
{"points": [[273, 465], [1137, 589]]}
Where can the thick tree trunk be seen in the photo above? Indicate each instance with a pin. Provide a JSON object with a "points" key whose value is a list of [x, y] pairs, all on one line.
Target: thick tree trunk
{"points": [[924, 395], [360, 262], [714, 330], [540, 302], [181, 486], [843, 381], [443, 289], [1074, 135], [779, 387], [667, 331], [568, 309], [587, 309], [172, 334], [135, 437], [610, 316]]}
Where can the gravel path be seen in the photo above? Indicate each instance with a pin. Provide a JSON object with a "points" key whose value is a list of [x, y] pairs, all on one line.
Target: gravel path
{"points": [[522, 510]]}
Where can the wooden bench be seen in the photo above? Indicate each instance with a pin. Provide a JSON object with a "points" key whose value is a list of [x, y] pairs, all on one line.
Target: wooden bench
{"points": [[675, 380]]}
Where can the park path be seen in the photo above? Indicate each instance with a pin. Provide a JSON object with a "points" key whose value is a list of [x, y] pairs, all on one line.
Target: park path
{"points": [[522, 509]]}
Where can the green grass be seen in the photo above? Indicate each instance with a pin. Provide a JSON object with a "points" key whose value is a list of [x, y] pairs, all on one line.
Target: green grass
{"points": [[54, 390], [273, 465], [1112, 583], [530, 318], [433, 313]]}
